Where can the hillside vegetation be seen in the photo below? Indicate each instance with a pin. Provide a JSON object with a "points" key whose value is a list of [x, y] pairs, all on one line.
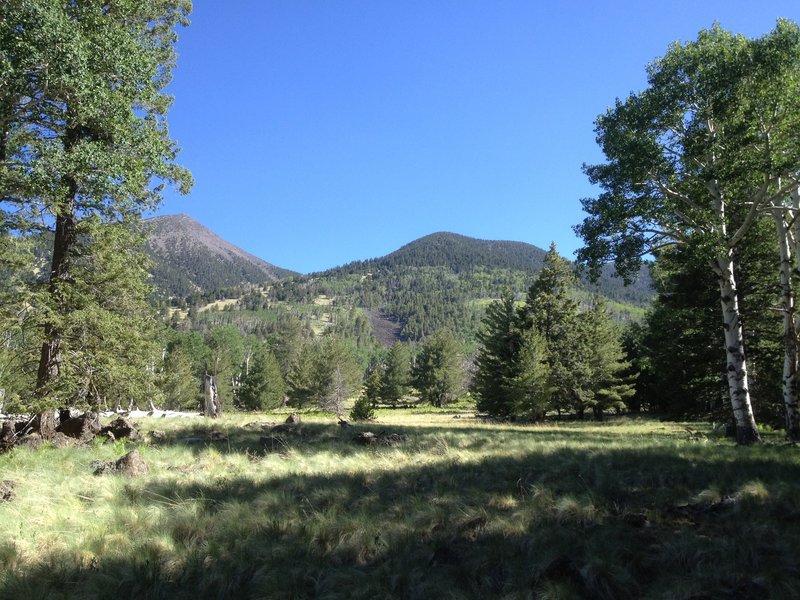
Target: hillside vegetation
{"points": [[443, 280]]}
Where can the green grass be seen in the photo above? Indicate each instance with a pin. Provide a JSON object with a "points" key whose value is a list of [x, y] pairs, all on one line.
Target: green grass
{"points": [[464, 509]]}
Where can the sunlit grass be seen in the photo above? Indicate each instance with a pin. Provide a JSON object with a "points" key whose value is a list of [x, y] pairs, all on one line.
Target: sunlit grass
{"points": [[464, 508]]}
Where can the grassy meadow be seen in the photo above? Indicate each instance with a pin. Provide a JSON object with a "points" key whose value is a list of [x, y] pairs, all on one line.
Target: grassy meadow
{"points": [[627, 508]]}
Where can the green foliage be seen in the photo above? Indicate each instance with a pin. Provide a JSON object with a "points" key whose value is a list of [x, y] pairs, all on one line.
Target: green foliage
{"points": [[108, 333], [326, 373], [179, 382], [440, 281], [547, 355], [397, 374], [551, 311], [373, 385], [438, 373], [609, 387], [497, 362], [303, 386], [225, 358], [530, 389], [262, 386], [84, 150], [679, 346], [339, 374], [363, 408], [693, 160]]}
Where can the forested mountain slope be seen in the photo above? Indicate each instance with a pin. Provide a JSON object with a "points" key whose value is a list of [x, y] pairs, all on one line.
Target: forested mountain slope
{"points": [[445, 280], [189, 258]]}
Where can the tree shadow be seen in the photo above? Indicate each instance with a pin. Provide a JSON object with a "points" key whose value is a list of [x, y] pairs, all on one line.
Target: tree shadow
{"points": [[702, 522]]}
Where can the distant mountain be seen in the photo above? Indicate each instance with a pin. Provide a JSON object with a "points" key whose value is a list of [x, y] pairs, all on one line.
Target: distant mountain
{"points": [[461, 253], [445, 280], [190, 258]]}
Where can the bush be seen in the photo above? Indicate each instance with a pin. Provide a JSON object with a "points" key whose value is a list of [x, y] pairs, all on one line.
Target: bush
{"points": [[362, 409]]}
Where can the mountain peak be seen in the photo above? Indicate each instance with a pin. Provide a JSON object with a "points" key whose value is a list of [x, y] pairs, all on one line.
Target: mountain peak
{"points": [[459, 252], [190, 257]]}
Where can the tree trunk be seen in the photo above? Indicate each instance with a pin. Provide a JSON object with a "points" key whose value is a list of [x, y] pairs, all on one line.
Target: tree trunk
{"points": [[44, 424], [212, 406], [789, 381], [736, 370], [63, 247]]}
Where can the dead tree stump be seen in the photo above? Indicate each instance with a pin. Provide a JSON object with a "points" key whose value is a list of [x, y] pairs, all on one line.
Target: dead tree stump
{"points": [[212, 406]]}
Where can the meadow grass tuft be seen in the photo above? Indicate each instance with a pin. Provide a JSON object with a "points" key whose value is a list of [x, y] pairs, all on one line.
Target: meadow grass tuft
{"points": [[627, 508]]}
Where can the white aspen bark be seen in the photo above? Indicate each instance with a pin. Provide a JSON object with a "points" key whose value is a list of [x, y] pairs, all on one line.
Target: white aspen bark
{"points": [[212, 406], [736, 369], [789, 381]]}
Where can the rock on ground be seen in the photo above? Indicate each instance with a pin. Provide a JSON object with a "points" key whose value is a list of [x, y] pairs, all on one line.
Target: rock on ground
{"points": [[121, 428], [131, 464], [7, 493]]}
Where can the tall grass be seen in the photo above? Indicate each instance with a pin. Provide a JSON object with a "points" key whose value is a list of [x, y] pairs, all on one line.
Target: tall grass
{"points": [[462, 509]]}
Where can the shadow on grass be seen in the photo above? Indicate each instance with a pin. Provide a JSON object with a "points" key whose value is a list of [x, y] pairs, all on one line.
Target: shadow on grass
{"points": [[701, 522], [309, 437]]}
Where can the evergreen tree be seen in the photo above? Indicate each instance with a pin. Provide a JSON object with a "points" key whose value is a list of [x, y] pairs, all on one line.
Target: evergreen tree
{"points": [[438, 373], [340, 377], [263, 386], [225, 357], [397, 373], [606, 357], [373, 386], [303, 382], [694, 159], [682, 369], [529, 390], [179, 382], [498, 360], [551, 312], [109, 336], [286, 340], [84, 136]]}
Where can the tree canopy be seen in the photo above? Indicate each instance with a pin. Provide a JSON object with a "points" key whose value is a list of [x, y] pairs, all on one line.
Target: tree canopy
{"points": [[84, 143], [694, 159]]}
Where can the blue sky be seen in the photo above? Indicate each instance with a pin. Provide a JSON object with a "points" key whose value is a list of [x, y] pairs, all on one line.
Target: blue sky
{"points": [[329, 131]]}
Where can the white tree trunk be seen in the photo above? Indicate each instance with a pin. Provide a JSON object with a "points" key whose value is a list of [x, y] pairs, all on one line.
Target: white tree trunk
{"points": [[789, 380], [212, 407], [736, 370]]}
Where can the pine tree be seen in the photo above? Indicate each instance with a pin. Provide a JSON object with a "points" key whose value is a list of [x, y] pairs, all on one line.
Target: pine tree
{"points": [[83, 137], [497, 363], [339, 374], [606, 358], [373, 386], [225, 357], [551, 312], [262, 387], [438, 374], [178, 381], [397, 373], [302, 382], [529, 391]]}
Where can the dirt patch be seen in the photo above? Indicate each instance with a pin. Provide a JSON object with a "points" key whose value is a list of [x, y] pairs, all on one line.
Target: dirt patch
{"points": [[385, 328]]}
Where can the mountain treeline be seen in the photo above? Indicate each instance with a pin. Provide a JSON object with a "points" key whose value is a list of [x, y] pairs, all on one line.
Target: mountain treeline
{"points": [[443, 281], [701, 177]]}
